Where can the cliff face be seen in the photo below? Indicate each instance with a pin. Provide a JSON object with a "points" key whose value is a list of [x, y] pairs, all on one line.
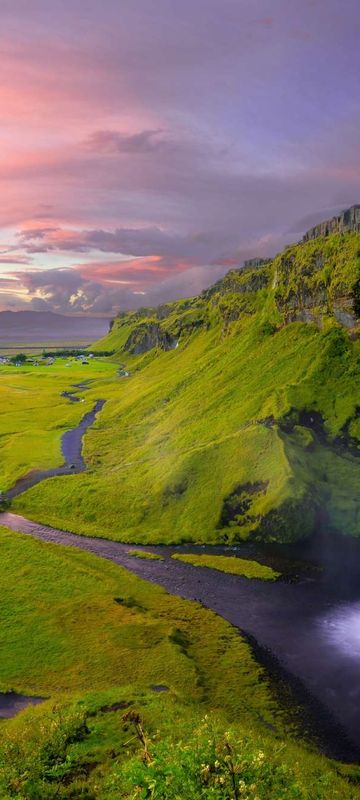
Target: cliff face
{"points": [[348, 220], [251, 263], [147, 336], [319, 279]]}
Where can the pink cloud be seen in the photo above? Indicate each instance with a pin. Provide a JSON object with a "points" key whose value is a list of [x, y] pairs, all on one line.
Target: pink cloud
{"points": [[141, 272]]}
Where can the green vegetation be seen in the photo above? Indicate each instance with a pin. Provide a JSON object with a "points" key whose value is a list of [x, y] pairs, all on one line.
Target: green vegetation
{"points": [[73, 352], [34, 415], [207, 442], [99, 642], [115, 745], [19, 359], [71, 621], [238, 417], [145, 554], [231, 564]]}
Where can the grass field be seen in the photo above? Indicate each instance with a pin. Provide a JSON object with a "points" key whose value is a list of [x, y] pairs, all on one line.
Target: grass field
{"points": [[92, 625], [95, 639], [33, 414], [230, 564]]}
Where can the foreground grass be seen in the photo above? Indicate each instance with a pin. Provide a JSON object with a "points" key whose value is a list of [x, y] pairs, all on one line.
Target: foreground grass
{"points": [[70, 621], [97, 640], [231, 564], [119, 745]]}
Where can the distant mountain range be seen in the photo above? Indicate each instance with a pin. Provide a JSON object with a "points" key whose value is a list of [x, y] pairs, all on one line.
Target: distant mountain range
{"points": [[44, 327]]}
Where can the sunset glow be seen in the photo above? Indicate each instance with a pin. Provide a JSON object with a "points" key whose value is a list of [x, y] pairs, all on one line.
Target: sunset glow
{"points": [[148, 150]]}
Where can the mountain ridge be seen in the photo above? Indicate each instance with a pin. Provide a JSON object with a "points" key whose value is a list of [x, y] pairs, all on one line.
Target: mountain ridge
{"points": [[47, 326]]}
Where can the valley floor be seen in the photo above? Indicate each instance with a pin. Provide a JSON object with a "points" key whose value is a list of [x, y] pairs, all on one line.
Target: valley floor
{"points": [[128, 669]]}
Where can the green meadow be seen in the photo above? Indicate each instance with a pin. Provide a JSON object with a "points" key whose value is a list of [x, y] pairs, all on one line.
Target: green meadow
{"points": [[100, 643], [230, 564], [34, 415]]}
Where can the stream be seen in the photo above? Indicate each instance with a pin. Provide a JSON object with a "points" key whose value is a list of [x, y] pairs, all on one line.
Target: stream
{"points": [[71, 449], [304, 628]]}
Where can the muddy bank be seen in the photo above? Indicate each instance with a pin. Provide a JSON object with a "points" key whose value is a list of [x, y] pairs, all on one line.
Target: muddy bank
{"points": [[286, 622], [71, 448]]}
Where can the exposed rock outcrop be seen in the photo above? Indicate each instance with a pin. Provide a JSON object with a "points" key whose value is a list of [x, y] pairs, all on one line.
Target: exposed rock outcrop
{"points": [[240, 281], [148, 335], [348, 220], [252, 263]]}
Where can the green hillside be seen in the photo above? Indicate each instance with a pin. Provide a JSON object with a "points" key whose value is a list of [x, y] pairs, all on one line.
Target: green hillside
{"points": [[239, 416]]}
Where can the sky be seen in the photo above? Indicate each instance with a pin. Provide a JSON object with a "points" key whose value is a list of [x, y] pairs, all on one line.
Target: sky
{"points": [[148, 146]]}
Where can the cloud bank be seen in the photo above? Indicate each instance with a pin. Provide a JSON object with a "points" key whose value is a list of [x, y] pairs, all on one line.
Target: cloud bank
{"points": [[146, 147]]}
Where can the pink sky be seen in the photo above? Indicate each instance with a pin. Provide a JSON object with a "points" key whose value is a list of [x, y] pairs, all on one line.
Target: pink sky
{"points": [[145, 146]]}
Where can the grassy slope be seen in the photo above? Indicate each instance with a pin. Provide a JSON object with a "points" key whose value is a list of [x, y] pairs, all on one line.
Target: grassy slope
{"points": [[57, 610], [187, 434], [184, 430]]}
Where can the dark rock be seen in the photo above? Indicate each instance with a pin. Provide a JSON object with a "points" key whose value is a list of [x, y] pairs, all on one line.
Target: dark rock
{"points": [[237, 504], [148, 335], [348, 220], [252, 263]]}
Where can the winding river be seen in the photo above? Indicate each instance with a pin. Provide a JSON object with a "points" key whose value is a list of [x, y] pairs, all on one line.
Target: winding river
{"points": [[304, 628]]}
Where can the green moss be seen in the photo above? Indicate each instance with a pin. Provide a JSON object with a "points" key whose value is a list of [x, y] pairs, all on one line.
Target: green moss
{"points": [[231, 564]]}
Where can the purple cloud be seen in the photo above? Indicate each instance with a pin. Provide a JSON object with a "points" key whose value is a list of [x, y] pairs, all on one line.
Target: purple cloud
{"points": [[200, 135]]}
